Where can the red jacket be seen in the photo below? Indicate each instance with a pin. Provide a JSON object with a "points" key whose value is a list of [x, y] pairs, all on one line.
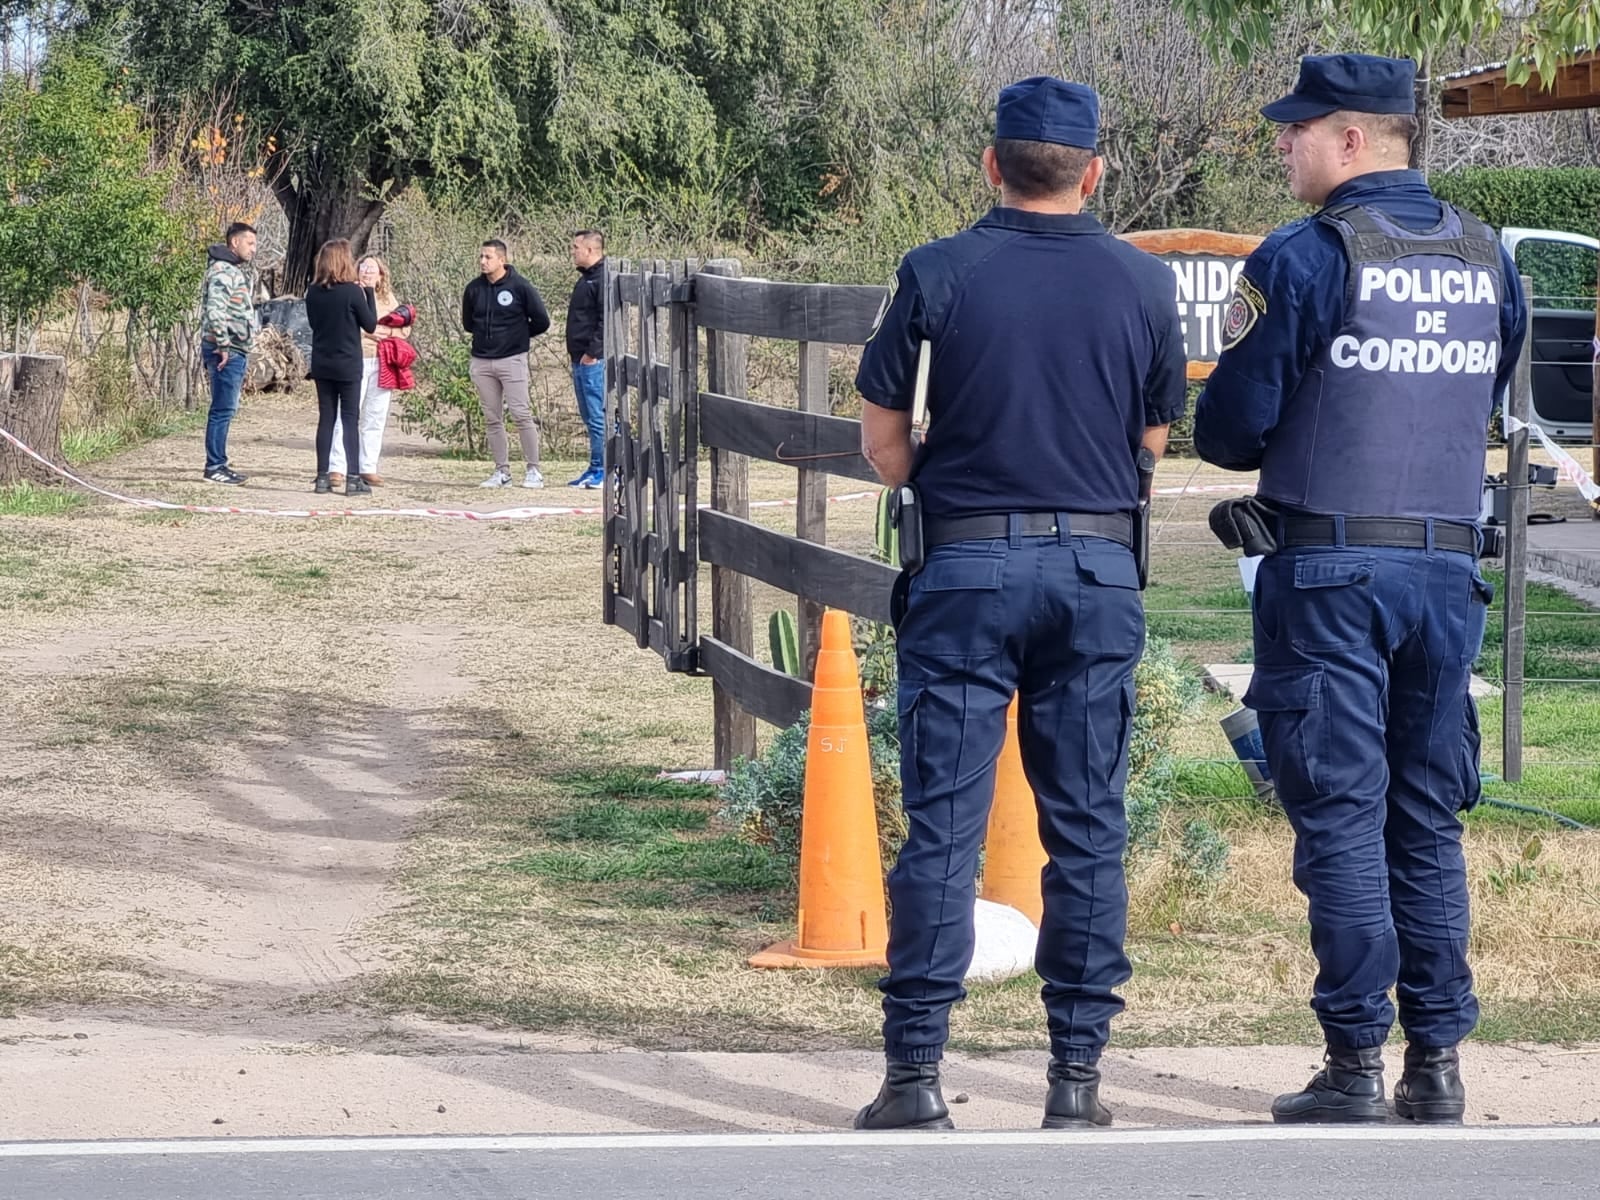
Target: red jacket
{"points": [[395, 356]]}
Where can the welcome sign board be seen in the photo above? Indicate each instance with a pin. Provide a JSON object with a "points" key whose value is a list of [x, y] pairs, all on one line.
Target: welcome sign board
{"points": [[1205, 267]]}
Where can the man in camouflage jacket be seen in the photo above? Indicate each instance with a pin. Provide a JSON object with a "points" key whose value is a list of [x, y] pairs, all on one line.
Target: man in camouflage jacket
{"points": [[227, 328]]}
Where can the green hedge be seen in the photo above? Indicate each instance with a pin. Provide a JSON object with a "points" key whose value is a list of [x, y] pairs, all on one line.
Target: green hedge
{"points": [[1556, 198], [1566, 198]]}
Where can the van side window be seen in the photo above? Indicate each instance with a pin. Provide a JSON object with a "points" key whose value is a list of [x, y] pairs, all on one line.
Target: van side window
{"points": [[1563, 274]]}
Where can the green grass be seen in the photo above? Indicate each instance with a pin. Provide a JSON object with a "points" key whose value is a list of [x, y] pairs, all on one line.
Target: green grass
{"points": [[1210, 625], [613, 821], [31, 500], [1563, 635], [629, 783], [716, 865], [287, 574], [1561, 721], [624, 825], [92, 443]]}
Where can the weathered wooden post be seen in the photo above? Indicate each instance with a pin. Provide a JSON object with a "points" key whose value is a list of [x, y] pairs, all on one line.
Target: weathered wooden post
{"points": [[727, 374], [32, 389], [811, 523], [1514, 646]]}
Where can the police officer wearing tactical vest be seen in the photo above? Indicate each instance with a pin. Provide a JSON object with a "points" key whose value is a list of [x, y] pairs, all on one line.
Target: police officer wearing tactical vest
{"points": [[1363, 351], [1056, 363]]}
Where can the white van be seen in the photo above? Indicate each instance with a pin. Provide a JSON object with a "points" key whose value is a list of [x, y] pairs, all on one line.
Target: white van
{"points": [[1562, 268]]}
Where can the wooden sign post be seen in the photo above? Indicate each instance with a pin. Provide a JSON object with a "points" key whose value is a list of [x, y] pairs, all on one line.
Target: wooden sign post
{"points": [[1205, 266]]}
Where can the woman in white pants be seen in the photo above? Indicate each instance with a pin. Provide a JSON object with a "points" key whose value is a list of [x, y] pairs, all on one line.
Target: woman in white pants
{"points": [[373, 272]]}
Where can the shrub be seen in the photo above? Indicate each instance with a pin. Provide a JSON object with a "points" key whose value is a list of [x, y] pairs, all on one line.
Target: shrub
{"points": [[763, 796], [444, 405], [1202, 852]]}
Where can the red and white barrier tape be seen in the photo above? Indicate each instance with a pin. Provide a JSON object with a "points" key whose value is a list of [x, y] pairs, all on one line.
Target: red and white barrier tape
{"points": [[1198, 489], [457, 514], [1568, 466]]}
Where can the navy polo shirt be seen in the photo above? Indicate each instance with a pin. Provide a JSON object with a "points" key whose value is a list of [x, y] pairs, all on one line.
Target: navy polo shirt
{"points": [[1055, 345]]}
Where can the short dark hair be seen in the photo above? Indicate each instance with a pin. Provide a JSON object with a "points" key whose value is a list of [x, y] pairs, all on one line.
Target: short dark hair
{"points": [[498, 245], [237, 228], [1033, 170], [593, 236], [1394, 127]]}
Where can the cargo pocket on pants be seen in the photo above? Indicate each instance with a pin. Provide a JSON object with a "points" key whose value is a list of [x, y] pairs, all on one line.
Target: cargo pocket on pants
{"points": [[1333, 606], [1292, 711], [1110, 615], [910, 698], [1129, 709], [1471, 744]]}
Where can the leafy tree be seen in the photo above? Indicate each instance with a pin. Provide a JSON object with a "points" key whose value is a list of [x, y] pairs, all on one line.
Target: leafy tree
{"points": [[364, 96], [484, 100], [83, 205], [1540, 34]]}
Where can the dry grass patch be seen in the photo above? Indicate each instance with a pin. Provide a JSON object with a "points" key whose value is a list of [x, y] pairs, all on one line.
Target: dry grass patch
{"points": [[37, 974]]}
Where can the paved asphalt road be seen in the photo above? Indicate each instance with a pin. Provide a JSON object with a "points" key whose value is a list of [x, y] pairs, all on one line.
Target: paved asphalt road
{"points": [[1226, 1164]]}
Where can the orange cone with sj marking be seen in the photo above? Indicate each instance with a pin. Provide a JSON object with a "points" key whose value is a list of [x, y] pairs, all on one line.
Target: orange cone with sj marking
{"points": [[841, 920], [1014, 857]]}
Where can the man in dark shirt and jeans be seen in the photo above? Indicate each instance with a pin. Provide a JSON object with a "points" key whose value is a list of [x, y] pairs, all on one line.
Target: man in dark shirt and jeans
{"points": [[1056, 356], [504, 312], [586, 347]]}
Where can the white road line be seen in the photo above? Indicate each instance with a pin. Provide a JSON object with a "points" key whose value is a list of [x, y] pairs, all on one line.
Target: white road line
{"points": [[539, 1143]]}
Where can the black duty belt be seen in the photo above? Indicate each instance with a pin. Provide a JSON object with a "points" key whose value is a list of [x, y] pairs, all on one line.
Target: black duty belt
{"points": [[941, 531], [1402, 532]]}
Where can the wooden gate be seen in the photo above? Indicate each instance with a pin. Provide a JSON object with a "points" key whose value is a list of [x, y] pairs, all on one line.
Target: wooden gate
{"points": [[651, 569], [659, 417]]}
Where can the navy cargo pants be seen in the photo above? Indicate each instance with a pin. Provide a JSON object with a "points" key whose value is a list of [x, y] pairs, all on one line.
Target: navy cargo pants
{"points": [[1058, 620], [1363, 656]]}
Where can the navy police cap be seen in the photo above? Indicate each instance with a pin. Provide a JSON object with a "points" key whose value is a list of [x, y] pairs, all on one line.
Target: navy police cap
{"points": [[1350, 82], [1043, 108]]}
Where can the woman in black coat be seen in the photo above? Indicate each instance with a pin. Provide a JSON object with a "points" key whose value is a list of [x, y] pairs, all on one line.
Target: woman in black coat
{"points": [[338, 309]]}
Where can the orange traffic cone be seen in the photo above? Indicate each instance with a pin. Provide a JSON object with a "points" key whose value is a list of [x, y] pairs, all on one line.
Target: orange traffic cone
{"points": [[841, 921], [1015, 857]]}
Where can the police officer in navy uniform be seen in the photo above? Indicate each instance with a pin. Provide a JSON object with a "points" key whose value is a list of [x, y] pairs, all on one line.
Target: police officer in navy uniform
{"points": [[1056, 353], [1363, 352]]}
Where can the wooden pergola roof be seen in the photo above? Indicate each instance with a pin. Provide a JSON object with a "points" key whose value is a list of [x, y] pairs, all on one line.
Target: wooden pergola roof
{"points": [[1484, 92]]}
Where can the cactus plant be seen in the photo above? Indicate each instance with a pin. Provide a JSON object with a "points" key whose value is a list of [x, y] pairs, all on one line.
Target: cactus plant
{"points": [[887, 536], [785, 641]]}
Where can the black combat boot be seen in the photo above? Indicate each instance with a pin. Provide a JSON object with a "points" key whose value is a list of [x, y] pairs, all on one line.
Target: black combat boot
{"points": [[1430, 1090], [1073, 1101], [1347, 1091], [909, 1099]]}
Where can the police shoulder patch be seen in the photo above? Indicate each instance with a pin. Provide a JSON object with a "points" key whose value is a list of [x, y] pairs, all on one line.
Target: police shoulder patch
{"points": [[883, 309], [1245, 307]]}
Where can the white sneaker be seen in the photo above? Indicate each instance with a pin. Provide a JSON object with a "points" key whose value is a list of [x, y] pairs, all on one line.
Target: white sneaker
{"points": [[497, 480], [533, 479]]}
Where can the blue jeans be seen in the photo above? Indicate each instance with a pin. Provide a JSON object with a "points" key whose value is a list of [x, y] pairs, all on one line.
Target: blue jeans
{"points": [[589, 382], [1059, 622], [226, 384], [1362, 659]]}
